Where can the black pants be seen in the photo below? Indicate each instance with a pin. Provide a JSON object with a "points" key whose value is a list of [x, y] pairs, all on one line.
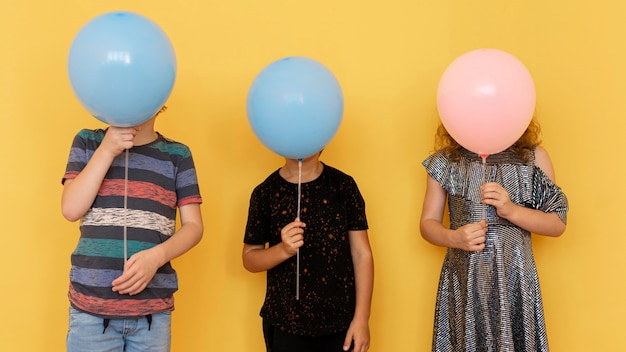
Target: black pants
{"points": [[277, 340]]}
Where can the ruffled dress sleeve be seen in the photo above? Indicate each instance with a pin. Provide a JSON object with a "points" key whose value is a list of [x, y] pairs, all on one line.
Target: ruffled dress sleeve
{"points": [[526, 183], [547, 196]]}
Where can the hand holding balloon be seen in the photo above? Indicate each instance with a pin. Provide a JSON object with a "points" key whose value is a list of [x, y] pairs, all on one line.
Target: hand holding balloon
{"points": [[118, 139], [494, 194], [470, 237], [292, 236]]}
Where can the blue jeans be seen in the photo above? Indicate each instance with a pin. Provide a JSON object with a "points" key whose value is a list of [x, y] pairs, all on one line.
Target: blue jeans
{"points": [[87, 333]]}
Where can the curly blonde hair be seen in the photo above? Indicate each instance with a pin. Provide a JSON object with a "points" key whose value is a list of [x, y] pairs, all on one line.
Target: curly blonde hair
{"points": [[522, 147]]}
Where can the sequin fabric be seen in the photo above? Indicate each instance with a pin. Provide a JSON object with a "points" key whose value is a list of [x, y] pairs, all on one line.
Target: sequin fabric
{"points": [[491, 300]]}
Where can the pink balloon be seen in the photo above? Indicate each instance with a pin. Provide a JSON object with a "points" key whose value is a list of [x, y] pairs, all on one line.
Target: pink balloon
{"points": [[486, 99]]}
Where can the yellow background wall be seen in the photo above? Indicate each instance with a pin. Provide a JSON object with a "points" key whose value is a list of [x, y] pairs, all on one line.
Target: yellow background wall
{"points": [[388, 57]]}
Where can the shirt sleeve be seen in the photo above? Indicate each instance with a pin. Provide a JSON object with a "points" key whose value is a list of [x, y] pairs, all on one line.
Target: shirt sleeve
{"points": [[187, 188], [78, 156], [356, 207], [258, 218]]}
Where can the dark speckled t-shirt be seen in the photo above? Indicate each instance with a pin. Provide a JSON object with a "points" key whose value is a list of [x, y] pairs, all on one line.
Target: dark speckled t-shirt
{"points": [[331, 205]]}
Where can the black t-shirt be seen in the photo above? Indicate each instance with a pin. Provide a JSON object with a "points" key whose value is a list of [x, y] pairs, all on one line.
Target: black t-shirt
{"points": [[331, 205]]}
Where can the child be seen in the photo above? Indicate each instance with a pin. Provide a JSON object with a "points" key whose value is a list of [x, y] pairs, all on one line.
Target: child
{"points": [[118, 305], [488, 297], [336, 265]]}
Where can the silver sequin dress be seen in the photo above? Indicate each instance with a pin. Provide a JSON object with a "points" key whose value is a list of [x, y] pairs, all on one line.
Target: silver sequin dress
{"points": [[491, 300]]}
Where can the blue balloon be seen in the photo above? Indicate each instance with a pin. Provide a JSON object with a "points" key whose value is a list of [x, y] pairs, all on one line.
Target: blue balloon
{"points": [[295, 106], [122, 68]]}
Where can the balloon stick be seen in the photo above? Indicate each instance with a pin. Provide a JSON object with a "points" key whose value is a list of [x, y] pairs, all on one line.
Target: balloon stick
{"points": [[298, 216], [125, 208], [484, 157]]}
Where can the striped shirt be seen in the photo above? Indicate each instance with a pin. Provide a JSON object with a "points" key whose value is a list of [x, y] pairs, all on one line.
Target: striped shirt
{"points": [[161, 178]]}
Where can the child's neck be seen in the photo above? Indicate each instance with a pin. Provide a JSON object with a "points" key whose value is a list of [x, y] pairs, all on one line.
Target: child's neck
{"points": [[144, 137], [145, 133], [311, 169]]}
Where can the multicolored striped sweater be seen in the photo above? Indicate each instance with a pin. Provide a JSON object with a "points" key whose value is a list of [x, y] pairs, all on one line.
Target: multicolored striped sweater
{"points": [[161, 177]]}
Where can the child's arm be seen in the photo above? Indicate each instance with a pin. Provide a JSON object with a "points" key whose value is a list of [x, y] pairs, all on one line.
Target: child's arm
{"points": [[80, 192], [363, 262], [257, 258], [533, 220], [470, 237], [141, 267]]}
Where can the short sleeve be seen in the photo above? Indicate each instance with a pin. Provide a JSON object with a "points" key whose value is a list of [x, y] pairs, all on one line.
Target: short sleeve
{"points": [[187, 187], [83, 146], [357, 219], [258, 218], [547, 196]]}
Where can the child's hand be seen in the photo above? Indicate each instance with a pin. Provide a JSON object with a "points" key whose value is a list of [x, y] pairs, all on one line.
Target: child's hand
{"points": [[292, 236], [496, 195], [118, 139], [138, 272], [471, 237], [358, 336]]}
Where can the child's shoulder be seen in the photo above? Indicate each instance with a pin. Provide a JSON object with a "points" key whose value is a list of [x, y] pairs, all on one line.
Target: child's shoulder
{"points": [[90, 134], [334, 171], [168, 140], [91, 131], [171, 146], [337, 176]]}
